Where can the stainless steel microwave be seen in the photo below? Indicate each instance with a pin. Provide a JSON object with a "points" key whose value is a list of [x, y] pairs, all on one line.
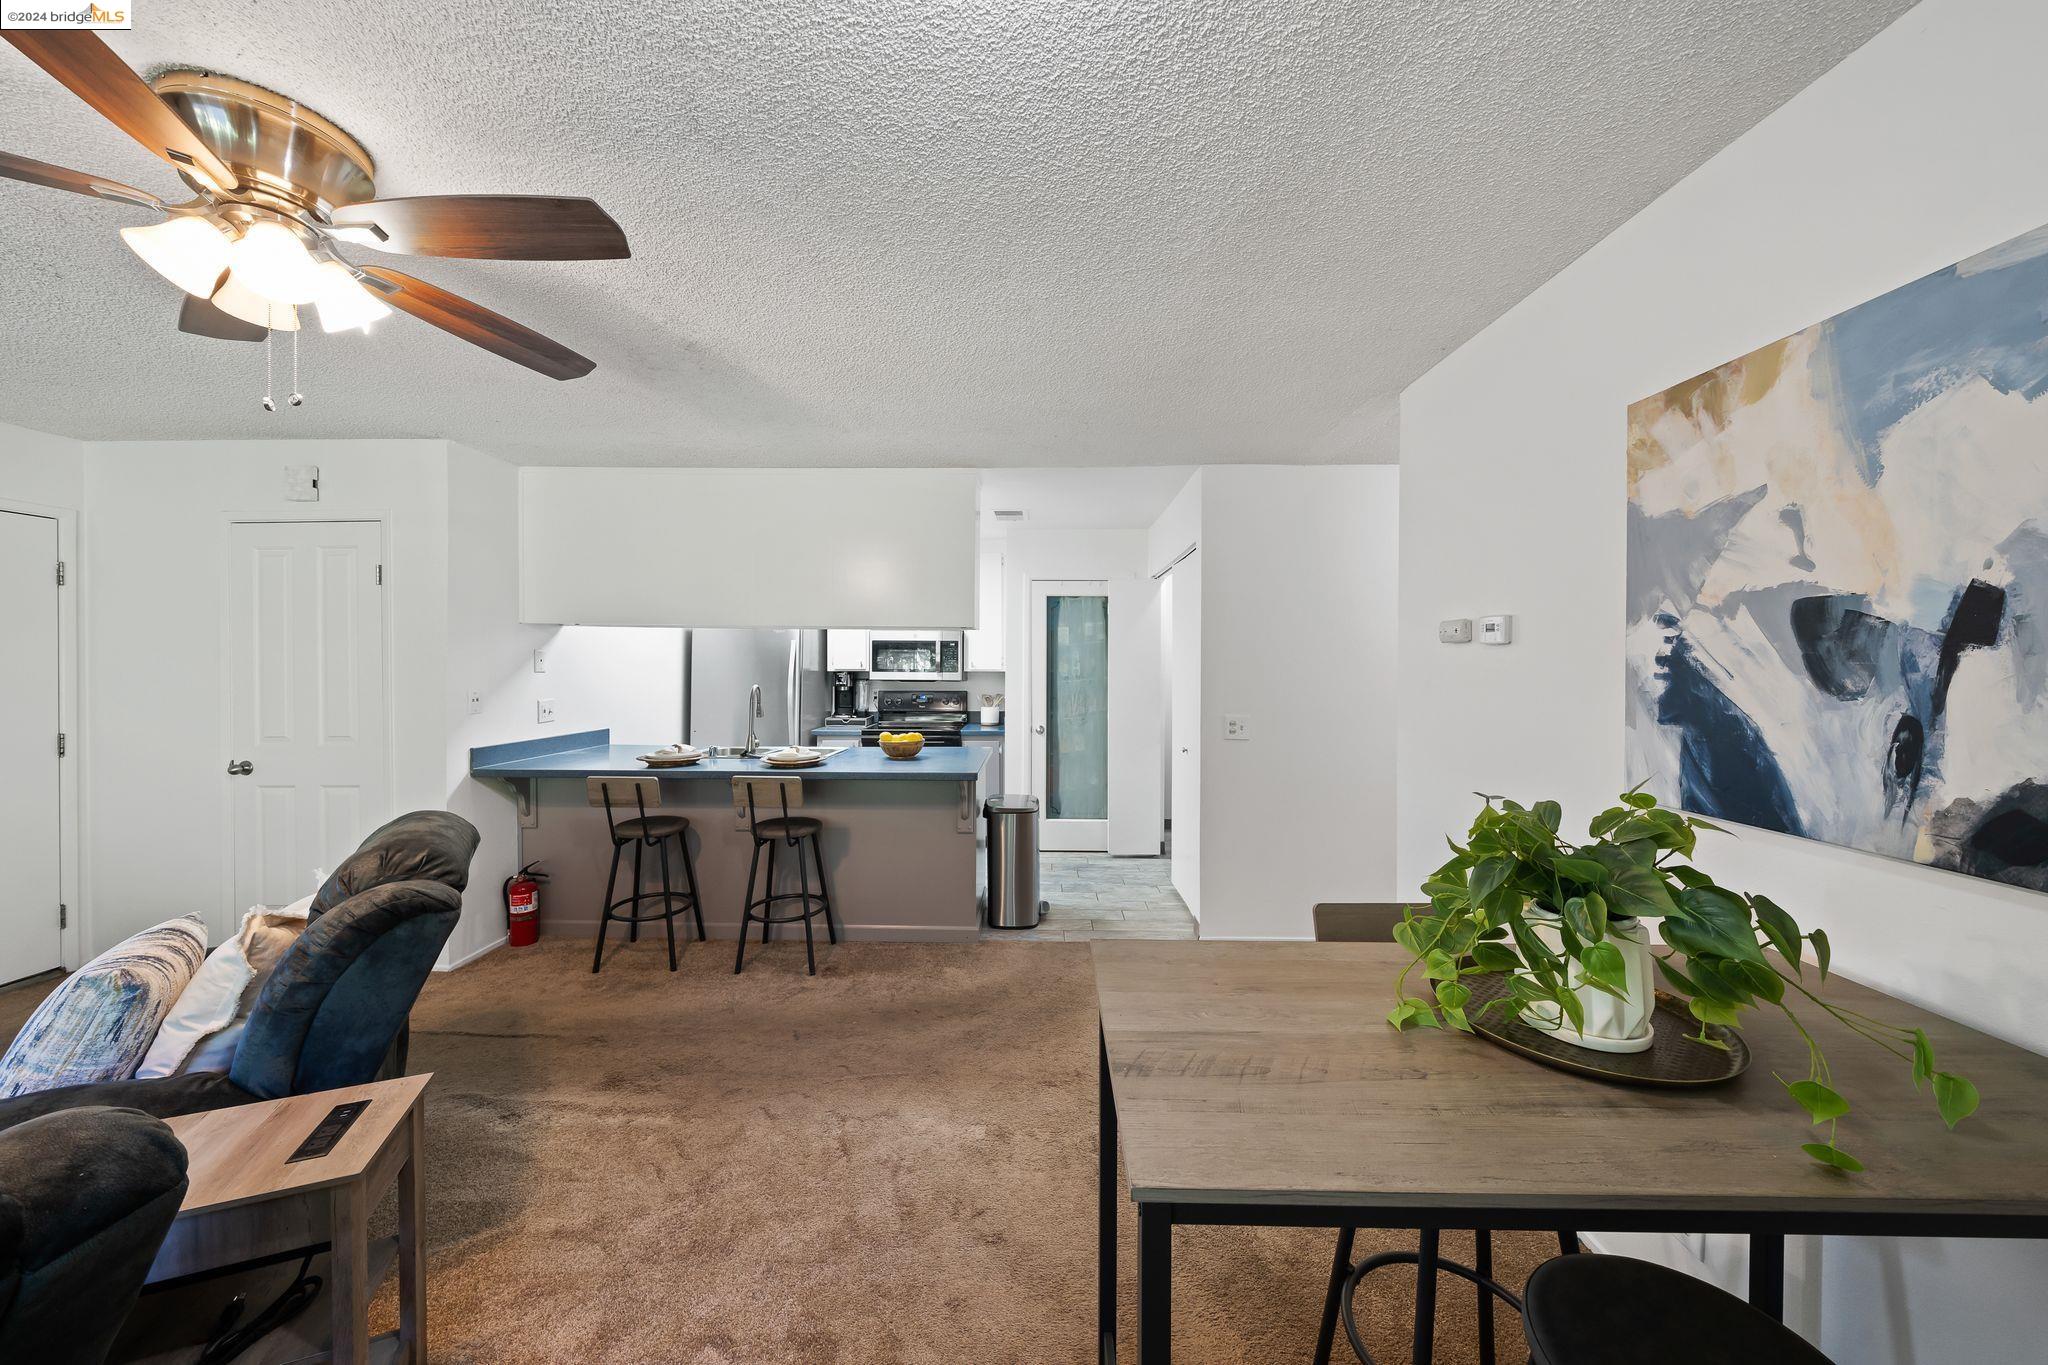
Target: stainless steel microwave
{"points": [[915, 655]]}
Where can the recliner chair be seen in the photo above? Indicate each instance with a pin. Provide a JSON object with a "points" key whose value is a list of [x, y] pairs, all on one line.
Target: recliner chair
{"points": [[333, 1013], [86, 1198]]}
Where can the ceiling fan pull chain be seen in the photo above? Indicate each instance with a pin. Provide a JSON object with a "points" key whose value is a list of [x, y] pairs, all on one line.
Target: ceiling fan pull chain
{"points": [[268, 405], [297, 399]]}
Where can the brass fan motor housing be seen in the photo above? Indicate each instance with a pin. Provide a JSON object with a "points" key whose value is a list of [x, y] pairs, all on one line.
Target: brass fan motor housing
{"points": [[288, 158]]}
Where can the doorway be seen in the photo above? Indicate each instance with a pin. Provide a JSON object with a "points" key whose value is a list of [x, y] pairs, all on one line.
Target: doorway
{"points": [[31, 716], [307, 767], [1070, 713]]}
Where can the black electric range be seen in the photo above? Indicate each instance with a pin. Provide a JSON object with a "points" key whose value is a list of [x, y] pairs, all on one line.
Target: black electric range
{"points": [[937, 716]]}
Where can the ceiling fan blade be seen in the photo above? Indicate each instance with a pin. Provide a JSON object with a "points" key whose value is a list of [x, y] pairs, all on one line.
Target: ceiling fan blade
{"points": [[89, 69], [202, 319], [494, 227], [78, 182], [476, 324]]}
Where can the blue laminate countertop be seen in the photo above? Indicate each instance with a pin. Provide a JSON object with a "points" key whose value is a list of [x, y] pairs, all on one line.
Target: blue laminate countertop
{"points": [[961, 764]]}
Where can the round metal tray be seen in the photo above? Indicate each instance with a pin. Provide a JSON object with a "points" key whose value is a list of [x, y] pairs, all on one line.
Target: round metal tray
{"points": [[1672, 1059]]}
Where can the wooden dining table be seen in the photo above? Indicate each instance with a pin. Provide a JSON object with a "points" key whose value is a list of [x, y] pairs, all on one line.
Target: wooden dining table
{"points": [[1259, 1084]]}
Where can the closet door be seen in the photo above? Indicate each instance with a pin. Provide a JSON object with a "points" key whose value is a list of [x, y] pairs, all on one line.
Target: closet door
{"points": [[30, 715]]}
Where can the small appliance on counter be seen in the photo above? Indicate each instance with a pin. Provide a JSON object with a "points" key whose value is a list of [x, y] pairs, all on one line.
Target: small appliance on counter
{"points": [[843, 694], [863, 697], [937, 716]]}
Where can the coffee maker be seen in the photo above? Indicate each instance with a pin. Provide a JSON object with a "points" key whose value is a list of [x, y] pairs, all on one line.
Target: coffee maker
{"points": [[842, 694]]}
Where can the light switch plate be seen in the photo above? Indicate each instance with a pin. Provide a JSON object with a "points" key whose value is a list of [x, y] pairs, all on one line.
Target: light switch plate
{"points": [[544, 710], [476, 703], [302, 483], [540, 661], [1237, 727], [1457, 631], [1496, 630]]}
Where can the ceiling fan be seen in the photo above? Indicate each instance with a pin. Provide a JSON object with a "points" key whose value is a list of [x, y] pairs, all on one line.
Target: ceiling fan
{"points": [[279, 190]]}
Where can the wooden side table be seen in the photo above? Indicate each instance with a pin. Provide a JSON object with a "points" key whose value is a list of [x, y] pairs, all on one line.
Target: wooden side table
{"points": [[245, 1203]]}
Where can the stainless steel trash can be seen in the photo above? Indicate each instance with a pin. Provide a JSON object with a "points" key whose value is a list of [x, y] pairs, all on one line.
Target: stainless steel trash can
{"points": [[1013, 862]]}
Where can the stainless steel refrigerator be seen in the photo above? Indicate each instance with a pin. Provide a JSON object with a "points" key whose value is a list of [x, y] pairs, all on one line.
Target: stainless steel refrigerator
{"points": [[720, 667]]}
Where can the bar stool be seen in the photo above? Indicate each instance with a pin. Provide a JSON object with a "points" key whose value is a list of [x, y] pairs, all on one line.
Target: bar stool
{"points": [[1374, 922], [783, 794], [642, 831]]}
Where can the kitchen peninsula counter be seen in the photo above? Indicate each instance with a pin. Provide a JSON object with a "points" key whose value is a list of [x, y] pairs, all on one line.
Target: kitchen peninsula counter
{"points": [[902, 838]]}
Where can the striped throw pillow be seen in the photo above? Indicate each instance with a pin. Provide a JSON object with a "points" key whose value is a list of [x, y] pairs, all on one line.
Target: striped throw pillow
{"points": [[98, 1025]]}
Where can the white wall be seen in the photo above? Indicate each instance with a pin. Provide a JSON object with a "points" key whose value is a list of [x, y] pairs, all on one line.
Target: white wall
{"points": [[40, 468], [155, 580], [623, 678], [1116, 557], [1922, 148], [155, 593], [765, 548], [1298, 595]]}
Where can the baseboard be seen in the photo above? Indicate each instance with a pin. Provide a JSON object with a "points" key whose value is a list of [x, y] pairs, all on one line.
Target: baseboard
{"points": [[490, 947]]}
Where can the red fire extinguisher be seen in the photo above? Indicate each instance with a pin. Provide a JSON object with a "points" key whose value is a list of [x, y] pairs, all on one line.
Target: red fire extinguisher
{"points": [[522, 905]]}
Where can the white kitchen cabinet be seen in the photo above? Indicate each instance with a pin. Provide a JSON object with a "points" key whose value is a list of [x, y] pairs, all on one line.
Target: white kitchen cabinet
{"points": [[985, 641], [846, 651]]}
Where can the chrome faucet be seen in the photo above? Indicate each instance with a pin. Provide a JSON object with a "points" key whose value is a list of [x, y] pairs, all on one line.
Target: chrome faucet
{"points": [[753, 714]]}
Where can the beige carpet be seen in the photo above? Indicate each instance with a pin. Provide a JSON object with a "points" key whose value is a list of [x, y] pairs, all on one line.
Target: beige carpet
{"points": [[892, 1162]]}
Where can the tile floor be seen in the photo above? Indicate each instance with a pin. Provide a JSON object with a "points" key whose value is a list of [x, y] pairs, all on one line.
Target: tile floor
{"points": [[1092, 895]]}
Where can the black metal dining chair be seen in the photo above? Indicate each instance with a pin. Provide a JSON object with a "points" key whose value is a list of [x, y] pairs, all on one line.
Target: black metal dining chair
{"points": [[1615, 1310], [1373, 922]]}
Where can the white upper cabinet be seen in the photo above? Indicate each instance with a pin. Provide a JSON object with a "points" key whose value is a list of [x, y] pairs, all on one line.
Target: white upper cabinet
{"points": [[985, 641], [846, 651]]}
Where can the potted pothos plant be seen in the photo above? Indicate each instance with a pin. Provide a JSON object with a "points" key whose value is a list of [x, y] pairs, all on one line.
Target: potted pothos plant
{"points": [[1555, 917]]}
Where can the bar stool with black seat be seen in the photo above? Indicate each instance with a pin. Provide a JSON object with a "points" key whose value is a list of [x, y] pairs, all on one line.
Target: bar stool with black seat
{"points": [[779, 796], [1615, 1310], [1374, 923], [642, 831]]}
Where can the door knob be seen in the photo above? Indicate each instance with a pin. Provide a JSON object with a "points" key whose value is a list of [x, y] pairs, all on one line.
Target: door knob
{"points": [[241, 768]]}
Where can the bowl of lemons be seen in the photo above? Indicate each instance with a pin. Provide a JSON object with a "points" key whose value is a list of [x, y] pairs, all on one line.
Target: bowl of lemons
{"points": [[905, 745]]}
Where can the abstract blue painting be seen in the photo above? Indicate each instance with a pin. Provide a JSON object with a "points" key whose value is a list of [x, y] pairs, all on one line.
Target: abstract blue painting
{"points": [[1838, 577]]}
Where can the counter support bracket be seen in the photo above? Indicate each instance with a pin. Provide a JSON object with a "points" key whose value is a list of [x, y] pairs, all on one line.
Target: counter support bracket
{"points": [[966, 825]]}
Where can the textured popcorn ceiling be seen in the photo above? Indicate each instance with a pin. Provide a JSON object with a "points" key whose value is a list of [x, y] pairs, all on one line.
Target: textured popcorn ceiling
{"points": [[989, 232]]}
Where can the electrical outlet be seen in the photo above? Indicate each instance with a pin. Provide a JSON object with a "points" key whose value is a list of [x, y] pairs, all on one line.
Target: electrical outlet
{"points": [[1237, 727], [476, 703], [540, 661], [544, 710]]}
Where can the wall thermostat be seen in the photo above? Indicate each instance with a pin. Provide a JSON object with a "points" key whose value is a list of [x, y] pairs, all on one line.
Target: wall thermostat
{"points": [[1458, 632], [1496, 630]]}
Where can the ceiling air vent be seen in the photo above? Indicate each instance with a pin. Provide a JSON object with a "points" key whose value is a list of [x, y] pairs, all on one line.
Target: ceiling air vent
{"points": [[1009, 514]]}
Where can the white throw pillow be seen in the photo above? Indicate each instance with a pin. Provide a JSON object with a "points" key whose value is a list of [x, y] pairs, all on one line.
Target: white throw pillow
{"points": [[193, 1036]]}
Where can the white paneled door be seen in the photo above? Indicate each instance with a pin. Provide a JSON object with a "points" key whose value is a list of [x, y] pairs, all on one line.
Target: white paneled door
{"points": [[30, 717], [307, 762]]}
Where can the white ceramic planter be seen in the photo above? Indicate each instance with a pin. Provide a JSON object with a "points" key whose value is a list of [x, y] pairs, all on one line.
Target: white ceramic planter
{"points": [[1611, 1025]]}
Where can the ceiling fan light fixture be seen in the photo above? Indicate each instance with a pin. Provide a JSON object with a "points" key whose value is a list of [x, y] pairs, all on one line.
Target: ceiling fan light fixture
{"points": [[189, 251], [271, 262], [343, 303], [237, 300]]}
